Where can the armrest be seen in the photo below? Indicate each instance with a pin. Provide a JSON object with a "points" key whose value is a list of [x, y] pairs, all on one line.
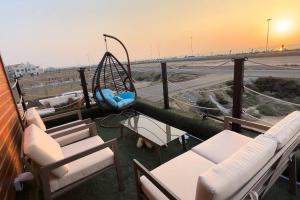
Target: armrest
{"points": [[139, 168], [69, 125], [92, 129], [47, 169], [76, 112], [230, 120]]}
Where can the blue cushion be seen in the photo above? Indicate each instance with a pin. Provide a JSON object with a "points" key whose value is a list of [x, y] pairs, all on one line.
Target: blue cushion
{"points": [[125, 102], [117, 98], [107, 94], [127, 95], [116, 101]]}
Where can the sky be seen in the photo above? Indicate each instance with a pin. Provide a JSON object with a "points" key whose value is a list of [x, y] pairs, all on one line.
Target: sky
{"points": [[69, 32]]}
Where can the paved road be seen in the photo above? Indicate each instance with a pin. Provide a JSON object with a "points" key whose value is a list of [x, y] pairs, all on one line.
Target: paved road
{"points": [[213, 77]]}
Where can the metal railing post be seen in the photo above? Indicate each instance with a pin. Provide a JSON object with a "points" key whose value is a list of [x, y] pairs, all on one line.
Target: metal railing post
{"points": [[84, 87], [164, 77], [21, 95], [238, 89]]}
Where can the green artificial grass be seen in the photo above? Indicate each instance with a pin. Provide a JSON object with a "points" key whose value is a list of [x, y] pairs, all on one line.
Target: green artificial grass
{"points": [[105, 185]]}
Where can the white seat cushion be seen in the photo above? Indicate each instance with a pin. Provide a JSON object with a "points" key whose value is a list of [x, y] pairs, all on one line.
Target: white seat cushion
{"points": [[227, 177], [285, 129], [33, 117], [221, 146], [180, 175], [43, 149], [85, 166]]}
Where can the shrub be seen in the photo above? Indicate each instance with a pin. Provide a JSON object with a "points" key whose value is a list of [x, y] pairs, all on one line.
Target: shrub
{"points": [[228, 83], [254, 113], [229, 92], [208, 104], [147, 76], [266, 109], [249, 100], [221, 99], [282, 88]]}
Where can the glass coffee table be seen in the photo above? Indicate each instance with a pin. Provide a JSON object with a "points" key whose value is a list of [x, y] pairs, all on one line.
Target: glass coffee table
{"points": [[155, 132]]}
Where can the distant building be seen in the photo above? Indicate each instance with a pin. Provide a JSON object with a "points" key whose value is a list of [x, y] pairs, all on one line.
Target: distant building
{"points": [[22, 69]]}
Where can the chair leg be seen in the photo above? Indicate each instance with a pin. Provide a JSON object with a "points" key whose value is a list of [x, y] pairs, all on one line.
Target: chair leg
{"points": [[293, 176], [118, 167], [137, 181], [119, 176]]}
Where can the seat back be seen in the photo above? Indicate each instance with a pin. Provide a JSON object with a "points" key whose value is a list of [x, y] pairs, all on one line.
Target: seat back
{"points": [[33, 117], [243, 171], [43, 149], [285, 129], [227, 177]]}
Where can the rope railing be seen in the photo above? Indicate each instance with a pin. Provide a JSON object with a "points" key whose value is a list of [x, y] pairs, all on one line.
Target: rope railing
{"points": [[21, 99], [15, 84], [274, 66], [207, 67], [273, 98]]}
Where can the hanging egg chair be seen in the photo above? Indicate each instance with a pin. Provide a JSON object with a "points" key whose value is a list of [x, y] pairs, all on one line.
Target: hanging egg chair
{"points": [[112, 84]]}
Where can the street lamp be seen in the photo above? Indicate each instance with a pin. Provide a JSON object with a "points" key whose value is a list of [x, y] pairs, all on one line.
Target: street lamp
{"points": [[268, 22]]}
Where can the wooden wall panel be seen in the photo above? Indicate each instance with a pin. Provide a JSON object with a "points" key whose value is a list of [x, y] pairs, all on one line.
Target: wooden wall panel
{"points": [[10, 139]]}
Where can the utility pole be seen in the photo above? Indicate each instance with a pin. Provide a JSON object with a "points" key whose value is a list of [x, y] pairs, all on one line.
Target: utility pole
{"points": [[268, 29], [158, 49], [192, 45]]}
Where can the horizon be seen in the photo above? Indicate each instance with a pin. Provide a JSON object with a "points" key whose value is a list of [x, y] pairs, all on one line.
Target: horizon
{"points": [[69, 33]]}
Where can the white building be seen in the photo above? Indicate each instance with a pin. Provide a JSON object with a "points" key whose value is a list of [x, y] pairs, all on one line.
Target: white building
{"points": [[23, 69]]}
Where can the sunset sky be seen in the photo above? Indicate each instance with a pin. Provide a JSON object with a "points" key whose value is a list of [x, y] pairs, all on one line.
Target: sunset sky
{"points": [[63, 33]]}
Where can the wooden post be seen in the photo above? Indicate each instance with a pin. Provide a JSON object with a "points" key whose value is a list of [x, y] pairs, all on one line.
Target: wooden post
{"points": [[130, 76], [84, 87], [21, 96], [292, 169], [164, 77], [238, 91]]}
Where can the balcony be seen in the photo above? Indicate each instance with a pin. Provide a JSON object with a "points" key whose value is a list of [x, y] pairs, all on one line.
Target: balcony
{"points": [[104, 186]]}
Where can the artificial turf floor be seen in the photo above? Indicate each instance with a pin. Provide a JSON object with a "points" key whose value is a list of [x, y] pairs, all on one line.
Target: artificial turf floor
{"points": [[105, 185]]}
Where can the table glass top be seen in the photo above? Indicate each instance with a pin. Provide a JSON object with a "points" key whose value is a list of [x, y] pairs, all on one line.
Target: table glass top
{"points": [[153, 130]]}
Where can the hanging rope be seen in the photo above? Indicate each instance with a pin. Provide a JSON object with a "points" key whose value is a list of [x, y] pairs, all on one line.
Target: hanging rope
{"points": [[273, 98], [105, 43]]}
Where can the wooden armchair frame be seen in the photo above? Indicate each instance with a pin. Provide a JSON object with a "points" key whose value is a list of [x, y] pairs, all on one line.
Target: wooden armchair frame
{"points": [[259, 185], [41, 173]]}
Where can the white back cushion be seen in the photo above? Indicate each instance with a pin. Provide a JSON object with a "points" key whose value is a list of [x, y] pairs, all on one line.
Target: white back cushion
{"points": [[227, 177], [285, 129], [43, 149], [33, 117]]}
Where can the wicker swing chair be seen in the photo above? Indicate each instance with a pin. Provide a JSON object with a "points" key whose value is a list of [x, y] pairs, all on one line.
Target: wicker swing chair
{"points": [[112, 84]]}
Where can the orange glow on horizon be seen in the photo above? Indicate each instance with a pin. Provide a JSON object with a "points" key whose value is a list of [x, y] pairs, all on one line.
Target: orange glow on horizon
{"points": [[59, 34]]}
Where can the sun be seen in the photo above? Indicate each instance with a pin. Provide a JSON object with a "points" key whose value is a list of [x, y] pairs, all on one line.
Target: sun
{"points": [[284, 26]]}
